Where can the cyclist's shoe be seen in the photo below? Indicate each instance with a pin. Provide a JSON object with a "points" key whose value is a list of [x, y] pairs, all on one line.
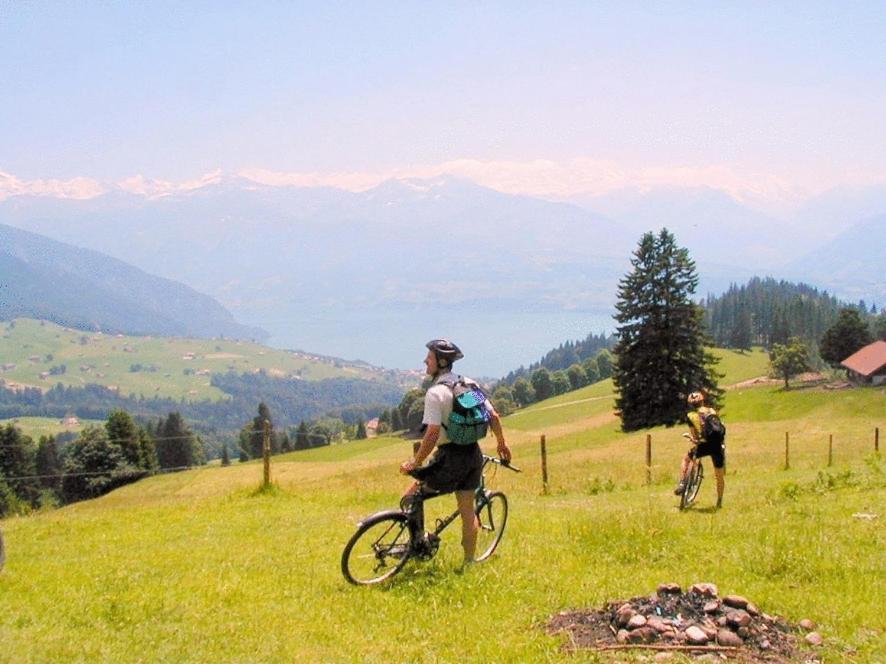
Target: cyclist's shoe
{"points": [[681, 487]]}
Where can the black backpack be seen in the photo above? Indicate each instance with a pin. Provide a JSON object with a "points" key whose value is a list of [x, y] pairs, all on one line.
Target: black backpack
{"points": [[469, 420], [713, 429]]}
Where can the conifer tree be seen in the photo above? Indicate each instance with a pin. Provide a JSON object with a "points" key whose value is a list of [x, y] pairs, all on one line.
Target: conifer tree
{"points": [[843, 338], [122, 432], [49, 465], [225, 459], [361, 431], [17, 466], [660, 352]]}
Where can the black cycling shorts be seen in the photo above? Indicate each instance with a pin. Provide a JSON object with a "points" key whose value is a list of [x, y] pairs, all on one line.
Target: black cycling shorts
{"points": [[452, 468], [716, 452]]}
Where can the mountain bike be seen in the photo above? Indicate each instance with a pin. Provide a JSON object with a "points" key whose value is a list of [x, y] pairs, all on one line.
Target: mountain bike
{"points": [[385, 541], [694, 477]]}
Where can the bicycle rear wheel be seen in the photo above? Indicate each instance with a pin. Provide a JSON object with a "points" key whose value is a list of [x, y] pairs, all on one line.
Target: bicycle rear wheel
{"points": [[693, 484], [492, 513], [378, 550]]}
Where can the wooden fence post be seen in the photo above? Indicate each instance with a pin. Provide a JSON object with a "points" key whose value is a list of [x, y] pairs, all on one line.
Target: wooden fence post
{"points": [[544, 465], [648, 459], [831, 450], [787, 451], [266, 452]]}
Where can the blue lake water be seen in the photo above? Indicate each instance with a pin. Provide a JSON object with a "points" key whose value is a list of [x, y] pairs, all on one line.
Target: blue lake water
{"points": [[494, 342]]}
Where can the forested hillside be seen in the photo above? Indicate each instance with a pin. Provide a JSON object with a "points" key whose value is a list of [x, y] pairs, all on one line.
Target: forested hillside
{"points": [[766, 311]]}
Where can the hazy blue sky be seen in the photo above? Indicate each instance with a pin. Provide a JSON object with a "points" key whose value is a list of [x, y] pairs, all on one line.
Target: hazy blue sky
{"points": [[584, 96]]}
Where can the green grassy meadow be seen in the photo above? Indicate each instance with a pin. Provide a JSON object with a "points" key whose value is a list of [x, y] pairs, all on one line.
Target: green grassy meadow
{"points": [[199, 566], [108, 359], [35, 427]]}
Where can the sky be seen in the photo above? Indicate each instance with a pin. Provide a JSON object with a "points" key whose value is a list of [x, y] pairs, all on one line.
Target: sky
{"points": [[768, 101]]}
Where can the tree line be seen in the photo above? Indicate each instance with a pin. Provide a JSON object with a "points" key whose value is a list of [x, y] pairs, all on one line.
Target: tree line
{"points": [[51, 472], [295, 401], [765, 312]]}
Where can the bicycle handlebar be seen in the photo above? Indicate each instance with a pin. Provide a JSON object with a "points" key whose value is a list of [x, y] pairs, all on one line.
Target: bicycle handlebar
{"points": [[501, 462]]}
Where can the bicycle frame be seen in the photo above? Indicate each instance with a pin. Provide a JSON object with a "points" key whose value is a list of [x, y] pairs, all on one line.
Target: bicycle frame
{"points": [[414, 508]]}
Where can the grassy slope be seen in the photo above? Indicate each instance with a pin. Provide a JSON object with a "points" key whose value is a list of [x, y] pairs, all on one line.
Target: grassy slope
{"points": [[35, 427], [197, 567], [108, 360]]}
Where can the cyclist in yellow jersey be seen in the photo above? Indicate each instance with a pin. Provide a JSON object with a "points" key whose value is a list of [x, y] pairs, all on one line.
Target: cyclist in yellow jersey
{"points": [[717, 451]]}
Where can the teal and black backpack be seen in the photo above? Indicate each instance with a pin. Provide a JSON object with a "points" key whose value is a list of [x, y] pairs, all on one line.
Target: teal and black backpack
{"points": [[469, 420]]}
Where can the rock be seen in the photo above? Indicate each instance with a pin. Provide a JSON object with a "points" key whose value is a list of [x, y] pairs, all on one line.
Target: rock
{"points": [[624, 615], [738, 618], [752, 609], [696, 635], [710, 630], [642, 635], [711, 607], [657, 624], [735, 601], [743, 632], [807, 624], [814, 639], [622, 636], [722, 622], [669, 589], [664, 657], [636, 621], [726, 637], [764, 644], [704, 589], [669, 635]]}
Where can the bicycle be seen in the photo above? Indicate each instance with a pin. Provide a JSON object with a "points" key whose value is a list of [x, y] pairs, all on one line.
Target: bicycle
{"points": [[385, 541], [693, 480]]}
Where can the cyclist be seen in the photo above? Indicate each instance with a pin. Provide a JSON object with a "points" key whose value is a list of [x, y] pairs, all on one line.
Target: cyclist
{"points": [[453, 467], [717, 452]]}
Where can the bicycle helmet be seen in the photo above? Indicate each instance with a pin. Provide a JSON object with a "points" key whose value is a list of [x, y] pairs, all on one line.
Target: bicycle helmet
{"points": [[445, 351], [695, 399]]}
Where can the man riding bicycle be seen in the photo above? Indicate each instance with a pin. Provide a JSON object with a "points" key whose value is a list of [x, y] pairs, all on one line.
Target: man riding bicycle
{"points": [[701, 447], [453, 467]]}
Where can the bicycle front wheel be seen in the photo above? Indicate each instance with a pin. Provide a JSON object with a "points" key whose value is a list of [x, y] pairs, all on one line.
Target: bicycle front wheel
{"points": [[378, 550], [693, 484], [492, 515]]}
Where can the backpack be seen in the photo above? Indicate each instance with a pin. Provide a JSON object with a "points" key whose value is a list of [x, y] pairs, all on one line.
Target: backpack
{"points": [[469, 420], [713, 429]]}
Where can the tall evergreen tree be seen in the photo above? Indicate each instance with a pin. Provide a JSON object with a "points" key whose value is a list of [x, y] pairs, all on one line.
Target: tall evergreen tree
{"points": [[18, 465], [48, 465], [257, 432], [122, 431], [176, 445], [361, 431], [660, 352], [843, 338]]}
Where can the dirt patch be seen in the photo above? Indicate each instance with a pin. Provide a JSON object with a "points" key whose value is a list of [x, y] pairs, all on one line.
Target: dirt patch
{"points": [[695, 623], [222, 356], [805, 379]]}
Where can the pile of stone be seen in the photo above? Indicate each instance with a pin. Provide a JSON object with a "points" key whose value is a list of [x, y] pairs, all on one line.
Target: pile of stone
{"points": [[696, 621]]}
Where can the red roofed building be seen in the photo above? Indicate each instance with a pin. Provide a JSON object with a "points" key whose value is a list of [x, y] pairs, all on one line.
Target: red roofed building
{"points": [[868, 365]]}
